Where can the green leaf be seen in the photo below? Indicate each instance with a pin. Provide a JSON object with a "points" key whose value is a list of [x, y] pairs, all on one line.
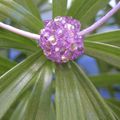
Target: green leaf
{"points": [[12, 40], [115, 108], [85, 10], [105, 52], [3, 70], [117, 15], [15, 80], [39, 104], [67, 95], [59, 7], [112, 37], [77, 98], [106, 80], [30, 6], [5, 64], [114, 101], [39, 2], [19, 112], [2, 17], [20, 15], [103, 66]]}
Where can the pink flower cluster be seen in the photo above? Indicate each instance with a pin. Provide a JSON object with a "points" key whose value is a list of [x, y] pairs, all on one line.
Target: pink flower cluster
{"points": [[60, 39]]}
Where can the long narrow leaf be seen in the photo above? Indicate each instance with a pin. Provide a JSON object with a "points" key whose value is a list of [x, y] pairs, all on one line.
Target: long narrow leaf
{"points": [[39, 105], [96, 100], [5, 65], [19, 112], [30, 6], [16, 79], [106, 52], [106, 80], [77, 98], [59, 7], [20, 15], [12, 40], [115, 108], [85, 10], [112, 37]]}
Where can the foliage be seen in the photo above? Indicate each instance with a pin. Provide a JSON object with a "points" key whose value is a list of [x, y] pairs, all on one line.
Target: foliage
{"points": [[27, 88]]}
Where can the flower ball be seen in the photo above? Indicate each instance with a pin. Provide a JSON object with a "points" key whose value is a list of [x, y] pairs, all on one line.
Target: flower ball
{"points": [[60, 39]]}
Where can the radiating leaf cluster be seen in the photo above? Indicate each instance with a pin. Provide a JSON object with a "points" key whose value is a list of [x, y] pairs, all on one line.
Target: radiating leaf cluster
{"points": [[38, 89]]}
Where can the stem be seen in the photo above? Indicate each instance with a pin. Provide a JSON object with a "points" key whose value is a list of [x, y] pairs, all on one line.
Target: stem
{"points": [[101, 21], [20, 32]]}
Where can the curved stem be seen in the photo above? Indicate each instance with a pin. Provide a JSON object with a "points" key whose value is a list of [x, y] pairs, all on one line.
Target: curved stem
{"points": [[101, 21], [20, 32]]}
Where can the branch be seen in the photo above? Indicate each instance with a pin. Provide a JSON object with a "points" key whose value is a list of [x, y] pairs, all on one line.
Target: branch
{"points": [[19, 32], [101, 21]]}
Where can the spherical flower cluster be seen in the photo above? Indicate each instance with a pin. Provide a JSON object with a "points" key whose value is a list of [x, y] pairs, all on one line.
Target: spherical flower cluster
{"points": [[60, 39]]}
